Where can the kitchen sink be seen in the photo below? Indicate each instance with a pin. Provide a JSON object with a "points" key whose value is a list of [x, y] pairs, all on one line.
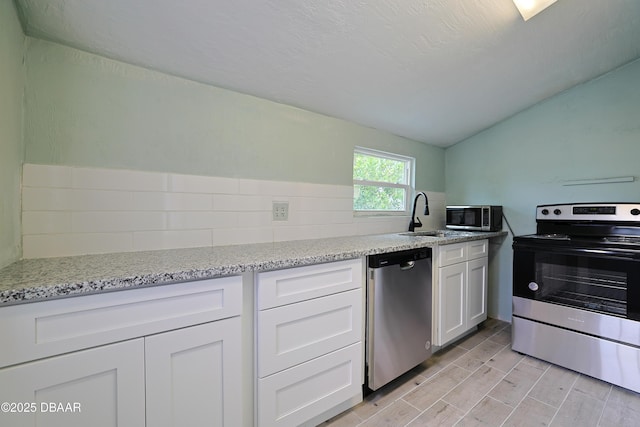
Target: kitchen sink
{"points": [[434, 233], [437, 233]]}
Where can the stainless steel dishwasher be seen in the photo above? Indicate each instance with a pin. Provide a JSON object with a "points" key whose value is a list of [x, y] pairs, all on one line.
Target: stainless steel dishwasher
{"points": [[398, 330]]}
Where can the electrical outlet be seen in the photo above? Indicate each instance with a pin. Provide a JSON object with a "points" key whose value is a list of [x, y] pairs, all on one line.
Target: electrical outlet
{"points": [[280, 211]]}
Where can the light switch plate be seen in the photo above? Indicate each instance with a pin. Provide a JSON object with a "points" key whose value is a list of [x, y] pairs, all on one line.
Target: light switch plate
{"points": [[280, 211]]}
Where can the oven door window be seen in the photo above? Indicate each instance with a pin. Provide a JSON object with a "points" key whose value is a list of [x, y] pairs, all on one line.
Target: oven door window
{"points": [[601, 284]]}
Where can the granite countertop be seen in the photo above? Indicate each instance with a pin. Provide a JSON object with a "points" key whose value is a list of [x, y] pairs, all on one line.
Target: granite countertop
{"points": [[34, 280]]}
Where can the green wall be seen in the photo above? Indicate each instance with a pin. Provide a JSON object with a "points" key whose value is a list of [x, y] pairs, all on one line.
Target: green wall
{"points": [[87, 110], [11, 148], [590, 131]]}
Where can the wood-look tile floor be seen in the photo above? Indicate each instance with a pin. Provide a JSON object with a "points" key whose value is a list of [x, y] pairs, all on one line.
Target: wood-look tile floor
{"points": [[479, 381]]}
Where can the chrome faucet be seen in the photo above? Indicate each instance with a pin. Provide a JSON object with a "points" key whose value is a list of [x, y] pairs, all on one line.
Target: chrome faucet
{"points": [[415, 221]]}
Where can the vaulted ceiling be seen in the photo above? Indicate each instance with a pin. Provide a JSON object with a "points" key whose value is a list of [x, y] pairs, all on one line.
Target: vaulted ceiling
{"points": [[436, 71]]}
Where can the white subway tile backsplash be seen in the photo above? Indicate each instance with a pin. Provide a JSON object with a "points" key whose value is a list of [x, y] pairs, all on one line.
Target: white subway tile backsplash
{"points": [[97, 222], [148, 201], [242, 235], [325, 204], [382, 225], [187, 202], [201, 220], [323, 217], [236, 202], [165, 201], [73, 211], [46, 176], [46, 245], [100, 200], [97, 243], [46, 199], [55, 245], [46, 222], [254, 219], [202, 184], [153, 240]]}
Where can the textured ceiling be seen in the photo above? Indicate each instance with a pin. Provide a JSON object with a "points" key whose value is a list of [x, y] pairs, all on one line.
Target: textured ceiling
{"points": [[436, 71]]}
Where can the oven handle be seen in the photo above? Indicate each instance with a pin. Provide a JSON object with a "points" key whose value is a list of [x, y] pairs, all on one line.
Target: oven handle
{"points": [[610, 253]]}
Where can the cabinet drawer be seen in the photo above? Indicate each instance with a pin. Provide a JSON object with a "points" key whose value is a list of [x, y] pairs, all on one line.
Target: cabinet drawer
{"points": [[295, 333], [477, 249], [452, 254], [280, 287], [293, 396], [42, 329]]}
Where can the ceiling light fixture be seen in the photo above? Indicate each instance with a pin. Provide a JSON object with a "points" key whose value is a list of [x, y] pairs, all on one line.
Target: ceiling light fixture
{"points": [[530, 8]]}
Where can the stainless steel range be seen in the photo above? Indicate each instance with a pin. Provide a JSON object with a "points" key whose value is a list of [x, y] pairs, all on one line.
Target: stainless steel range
{"points": [[576, 290]]}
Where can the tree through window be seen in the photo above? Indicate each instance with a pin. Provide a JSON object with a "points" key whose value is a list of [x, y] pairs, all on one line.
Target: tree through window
{"points": [[382, 182]]}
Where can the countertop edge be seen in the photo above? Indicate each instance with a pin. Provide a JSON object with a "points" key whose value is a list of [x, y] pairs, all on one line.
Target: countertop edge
{"points": [[22, 278]]}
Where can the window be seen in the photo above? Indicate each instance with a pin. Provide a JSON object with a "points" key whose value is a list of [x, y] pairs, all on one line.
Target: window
{"points": [[382, 182]]}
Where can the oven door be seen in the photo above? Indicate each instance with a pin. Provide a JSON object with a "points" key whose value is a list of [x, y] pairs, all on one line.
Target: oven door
{"points": [[593, 279]]}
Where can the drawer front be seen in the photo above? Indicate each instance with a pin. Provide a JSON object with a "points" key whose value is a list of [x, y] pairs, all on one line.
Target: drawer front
{"points": [[452, 254], [280, 287], [296, 395], [478, 249], [42, 329], [295, 333]]}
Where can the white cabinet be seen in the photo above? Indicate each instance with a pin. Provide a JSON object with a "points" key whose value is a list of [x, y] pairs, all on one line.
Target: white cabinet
{"points": [[452, 283], [159, 356], [309, 342], [193, 374], [476, 291], [102, 387], [461, 289]]}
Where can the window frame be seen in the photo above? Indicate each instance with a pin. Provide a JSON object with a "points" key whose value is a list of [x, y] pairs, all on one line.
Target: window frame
{"points": [[409, 187]]}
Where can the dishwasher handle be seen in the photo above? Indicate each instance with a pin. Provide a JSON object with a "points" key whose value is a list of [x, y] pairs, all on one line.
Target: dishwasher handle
{"points": [[407, 265], [400, 258]]}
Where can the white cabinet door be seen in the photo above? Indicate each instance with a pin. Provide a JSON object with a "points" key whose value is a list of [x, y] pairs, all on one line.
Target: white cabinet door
{"points": [[98, 387], [476, 291], [194, 376], [452, 281], [296, 395]]}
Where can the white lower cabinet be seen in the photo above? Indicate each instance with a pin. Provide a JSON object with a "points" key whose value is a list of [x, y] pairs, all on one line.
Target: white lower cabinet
{"points": [[101, 387], [461, 301], [296, 395], [193, 374], [179, 364], [477, 291], [309, 342], [452, 283]]}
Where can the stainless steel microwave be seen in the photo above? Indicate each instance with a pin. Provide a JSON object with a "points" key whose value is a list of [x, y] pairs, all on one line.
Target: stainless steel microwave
{"points": [[474, 217]]}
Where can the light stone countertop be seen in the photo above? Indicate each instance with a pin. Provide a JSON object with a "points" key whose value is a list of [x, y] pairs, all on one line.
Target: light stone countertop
{"points": [[34, 280]]}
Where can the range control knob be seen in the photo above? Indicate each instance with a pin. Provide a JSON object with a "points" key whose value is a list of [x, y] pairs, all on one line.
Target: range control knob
{"points": [[544, 211], [635, 211], [557, 211], [533, 286]]}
